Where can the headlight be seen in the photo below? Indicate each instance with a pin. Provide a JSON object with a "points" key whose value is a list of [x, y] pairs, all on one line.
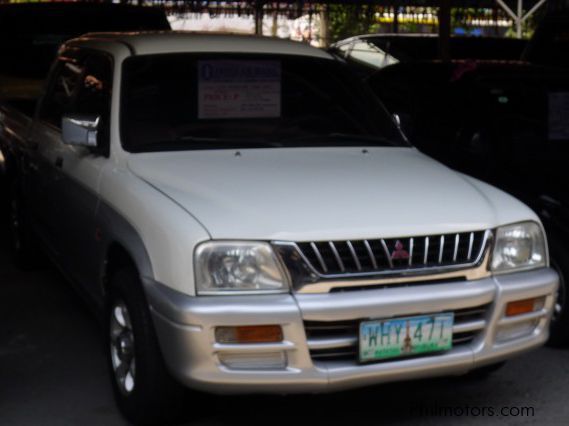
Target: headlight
{"points": [[233, 266], [519, 246]]}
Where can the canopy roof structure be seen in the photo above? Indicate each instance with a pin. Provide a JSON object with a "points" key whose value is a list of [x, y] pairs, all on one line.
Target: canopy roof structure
{"points": [[418, 3], [518, 10]]}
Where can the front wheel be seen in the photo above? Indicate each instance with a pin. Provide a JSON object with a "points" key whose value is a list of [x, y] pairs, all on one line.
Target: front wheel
{"points": [[144, 390], [559, 329]]}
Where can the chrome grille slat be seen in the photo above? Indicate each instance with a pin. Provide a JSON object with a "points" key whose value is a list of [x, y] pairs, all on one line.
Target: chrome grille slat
{"points": [[332, 343], [387, 254], [370, 253], [337, 256], [319, 257], [469, 326], [354, 255], [456, 242], [384, 256]]}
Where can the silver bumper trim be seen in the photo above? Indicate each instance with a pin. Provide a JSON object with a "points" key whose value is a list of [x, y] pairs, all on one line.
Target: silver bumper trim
{"points": [[469, 326], [332, 343], [185, 326]]}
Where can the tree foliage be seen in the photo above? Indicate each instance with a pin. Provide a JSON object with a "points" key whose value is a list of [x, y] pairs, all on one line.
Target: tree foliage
{"points": [[349, 20]]}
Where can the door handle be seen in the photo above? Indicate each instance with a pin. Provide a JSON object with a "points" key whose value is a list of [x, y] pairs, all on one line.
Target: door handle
{"points": [[59, 162]]}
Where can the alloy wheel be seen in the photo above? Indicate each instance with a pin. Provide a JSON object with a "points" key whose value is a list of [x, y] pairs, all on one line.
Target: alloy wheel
{"points": [[122, 348]]}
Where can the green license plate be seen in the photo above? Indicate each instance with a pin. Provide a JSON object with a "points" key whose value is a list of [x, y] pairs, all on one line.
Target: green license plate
{"points": [[398, 337]]}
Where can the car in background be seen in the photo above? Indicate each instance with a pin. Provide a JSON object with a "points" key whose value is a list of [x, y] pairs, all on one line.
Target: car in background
{"points": [[506, 123], [550, 42], [368, 53]]}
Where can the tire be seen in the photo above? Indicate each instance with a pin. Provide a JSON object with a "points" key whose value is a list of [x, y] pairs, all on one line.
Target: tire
{"points": [[23, 245], [4, 190], [559, 328], [145, 392]]}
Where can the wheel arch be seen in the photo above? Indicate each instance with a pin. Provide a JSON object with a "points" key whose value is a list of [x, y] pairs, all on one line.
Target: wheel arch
{"points": [[123, 247]]}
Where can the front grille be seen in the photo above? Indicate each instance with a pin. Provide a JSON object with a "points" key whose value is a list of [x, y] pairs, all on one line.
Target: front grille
{"points": [[344, 258], [338, 341]]}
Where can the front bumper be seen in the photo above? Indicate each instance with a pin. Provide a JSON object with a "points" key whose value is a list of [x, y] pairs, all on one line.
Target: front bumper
{"points": [[185, 327]]}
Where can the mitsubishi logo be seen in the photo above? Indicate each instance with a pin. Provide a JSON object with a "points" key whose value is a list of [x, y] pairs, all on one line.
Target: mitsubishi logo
{"points": [[399, 252]]}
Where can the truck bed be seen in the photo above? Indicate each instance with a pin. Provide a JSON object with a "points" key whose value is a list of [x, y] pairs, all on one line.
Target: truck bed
{"points": [[20, 93], [18, 98]]}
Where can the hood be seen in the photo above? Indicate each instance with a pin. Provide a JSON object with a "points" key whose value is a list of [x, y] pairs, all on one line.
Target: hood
{"points": [[306, 194]]}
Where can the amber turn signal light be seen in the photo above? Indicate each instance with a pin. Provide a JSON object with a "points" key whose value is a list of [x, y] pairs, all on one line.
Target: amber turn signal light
{"points": [[520, 307], [249, 334]]}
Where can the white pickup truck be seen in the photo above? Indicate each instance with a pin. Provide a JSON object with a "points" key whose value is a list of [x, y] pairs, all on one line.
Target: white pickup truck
{"points": [[250, 219]]}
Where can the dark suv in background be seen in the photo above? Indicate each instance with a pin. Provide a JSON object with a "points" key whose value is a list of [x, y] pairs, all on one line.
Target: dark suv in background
{"points": [[369, 53], [504, 122]]}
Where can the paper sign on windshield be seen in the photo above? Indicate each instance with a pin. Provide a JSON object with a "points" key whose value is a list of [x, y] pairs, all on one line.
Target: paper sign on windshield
{"points": [[239, 89]]}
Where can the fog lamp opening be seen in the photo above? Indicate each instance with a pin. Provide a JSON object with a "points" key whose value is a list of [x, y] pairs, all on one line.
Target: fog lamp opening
{"points": [[525, 306], [249, 334], [254, 361]]}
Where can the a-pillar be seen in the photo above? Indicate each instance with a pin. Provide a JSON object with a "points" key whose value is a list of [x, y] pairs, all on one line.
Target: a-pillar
{"points": [[444, 29]]}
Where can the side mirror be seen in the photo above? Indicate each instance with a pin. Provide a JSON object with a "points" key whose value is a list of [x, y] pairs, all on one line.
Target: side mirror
{"points": [[80, 130]]}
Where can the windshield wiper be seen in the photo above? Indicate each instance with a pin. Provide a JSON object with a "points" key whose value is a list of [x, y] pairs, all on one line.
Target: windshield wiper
{"points": [[187, 143], [339, 137]]}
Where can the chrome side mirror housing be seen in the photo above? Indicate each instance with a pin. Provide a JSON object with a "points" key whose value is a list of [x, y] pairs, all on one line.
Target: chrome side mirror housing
{"points": [[80, 130]]}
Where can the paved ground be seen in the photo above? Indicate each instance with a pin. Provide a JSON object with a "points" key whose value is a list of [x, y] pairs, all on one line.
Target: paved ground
{"points": [[52, 372]]}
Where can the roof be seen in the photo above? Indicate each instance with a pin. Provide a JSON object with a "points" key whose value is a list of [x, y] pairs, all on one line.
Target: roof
{"points": [[430, 36], [148, 43]]}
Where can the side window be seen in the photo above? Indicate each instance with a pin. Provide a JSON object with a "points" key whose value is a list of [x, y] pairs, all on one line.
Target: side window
{"points": [[344, 49], [82, 87], [95, 96], [371, 55], [63, 92]]}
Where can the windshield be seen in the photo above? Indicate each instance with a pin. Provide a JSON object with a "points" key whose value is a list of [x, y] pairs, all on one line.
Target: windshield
{"points": [[216, 101]]}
